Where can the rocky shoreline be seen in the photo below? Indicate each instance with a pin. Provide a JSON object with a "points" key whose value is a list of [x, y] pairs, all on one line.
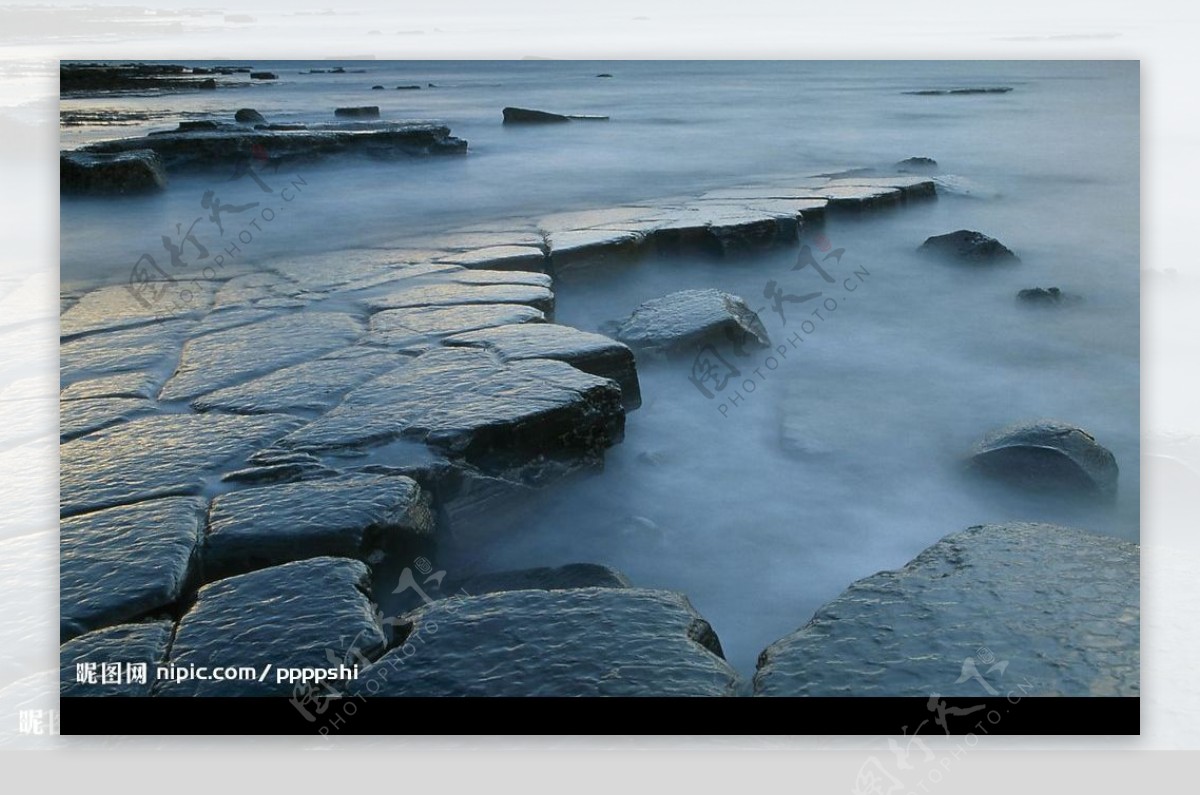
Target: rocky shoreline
{"points": [[237, 467]]}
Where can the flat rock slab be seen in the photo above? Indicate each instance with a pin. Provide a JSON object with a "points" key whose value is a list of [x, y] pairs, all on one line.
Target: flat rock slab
{"points": [[1054, 609], [456, 294], [420, 326], [240, 353], [123, 173], [475, 407], [310, 386], [119, 306], [685, 319], [593, 246], [1046, 455], [585, 642], [157, 456], [543, 578], [125, 645], [81, 417], [348, 516], [591, 353], [121, 385], [124, 562], [152, 348], [505, 257], [313, 613]]}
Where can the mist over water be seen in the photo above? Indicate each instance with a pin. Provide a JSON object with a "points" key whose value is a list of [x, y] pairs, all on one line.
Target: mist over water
{"points": [[887, 392]]}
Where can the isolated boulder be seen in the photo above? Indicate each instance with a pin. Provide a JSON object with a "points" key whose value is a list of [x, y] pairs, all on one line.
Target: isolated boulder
{"points": [[526, 116], [1046, 455], [967, 246], [687, 318], [249, 116]]}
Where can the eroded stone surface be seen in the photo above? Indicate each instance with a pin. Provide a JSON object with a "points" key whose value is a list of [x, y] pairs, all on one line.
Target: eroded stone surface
{"points": [[156, 457], [591, 353], [122, 385], [154, 348], [1047, 455], [347, 516], [466, 402], [310, 386], [237, 354], [125, 644], [1059, 606], [124, 562], [81, 417], [535, 296], [584, 642], [416, 326], [686, 318], [313, 613], [117, 306]]}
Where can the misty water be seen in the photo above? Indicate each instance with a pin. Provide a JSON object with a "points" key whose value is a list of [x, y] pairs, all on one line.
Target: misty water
{"points": [[885, 393]]}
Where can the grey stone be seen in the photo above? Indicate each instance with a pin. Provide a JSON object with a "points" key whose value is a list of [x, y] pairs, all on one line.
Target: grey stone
{"points": [[157, 456], [124, 645], [420, 325], [583, 642], [1047, 455], [315, 613], [348, 516], [527, 116], [686, 319], [967, 246], [1037, 609], [238, 354], [121, 563], [364, 112], [249, 116], [475, 408], [591, 353], [135, 171], [535, 296], [507, 257]]}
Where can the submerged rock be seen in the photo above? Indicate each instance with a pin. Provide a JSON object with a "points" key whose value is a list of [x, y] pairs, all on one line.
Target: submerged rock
{"points": [[939, 92], [135, 171], [582, 642], [917, 164], [1045, 296], [544, 578], [688, 318], [249, 116], [122, 563], [347, 516], [968, 246], [475, 408], [1045, 455], [263, 76], [591, 353], [1030, 609], [311, 613], [363, 112], [527, 116], [126, 644]]}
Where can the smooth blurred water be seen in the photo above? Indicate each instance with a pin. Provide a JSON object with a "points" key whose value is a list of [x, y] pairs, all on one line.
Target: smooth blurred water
{"points": [[902, 378]]}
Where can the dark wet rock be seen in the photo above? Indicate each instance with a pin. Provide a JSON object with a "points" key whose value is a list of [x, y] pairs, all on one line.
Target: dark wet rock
{"points": [[527, 116], [688, 318], [515, 258], [1034, 609], [561, 578], [377, 88], [81, 417], [419, 326], [310, 386], [125, 562], [409, 88], [1045, 296], [604, 74], [223, 146], [1045, 455], [917, 164], [475, 408], [591, 353], [465, 293], [593, 247], [81, 78], [349, 516], [315, 613], [249, 116], [136, 171], [721, 230], [476, 508], [583, 642], [967, 246], [157, 456], [243, 352], [126, 644], [363, 112], [940, 92], [202, 125], [207, 85], [263, 76]]}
